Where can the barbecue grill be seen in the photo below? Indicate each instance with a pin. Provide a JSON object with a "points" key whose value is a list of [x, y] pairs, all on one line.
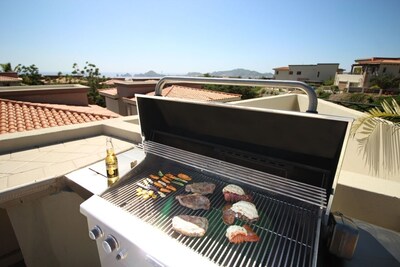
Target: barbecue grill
{"points": [[288, 162]]}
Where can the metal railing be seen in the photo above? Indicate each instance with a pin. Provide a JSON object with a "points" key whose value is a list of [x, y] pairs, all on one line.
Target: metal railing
{"points": [[312, 97]]}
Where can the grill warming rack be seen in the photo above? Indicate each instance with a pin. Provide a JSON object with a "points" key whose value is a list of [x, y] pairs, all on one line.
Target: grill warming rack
{"points": [[288, 230]]}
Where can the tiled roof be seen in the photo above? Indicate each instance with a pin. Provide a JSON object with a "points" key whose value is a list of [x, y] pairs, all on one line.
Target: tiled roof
{"points": [[9, 79], [110, 91], [197, 94], [19, 116], [112, 81], [282, 68], [378, 60]]}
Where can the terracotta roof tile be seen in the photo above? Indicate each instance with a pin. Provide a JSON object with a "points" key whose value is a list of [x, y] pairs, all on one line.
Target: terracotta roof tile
{"points": [[19, 116], [197, 94], [378, 61], [110, 91], [282, 68]]}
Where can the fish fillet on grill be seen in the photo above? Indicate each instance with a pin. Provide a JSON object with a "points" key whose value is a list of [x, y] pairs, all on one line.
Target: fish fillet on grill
{"points": [[194, 201], [202, 188], [234, 193], [238, 234], [194, 226], [243, 210]]}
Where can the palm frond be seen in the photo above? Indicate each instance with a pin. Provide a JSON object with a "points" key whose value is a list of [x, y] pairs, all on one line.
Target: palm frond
{"points": [[369, 121]]}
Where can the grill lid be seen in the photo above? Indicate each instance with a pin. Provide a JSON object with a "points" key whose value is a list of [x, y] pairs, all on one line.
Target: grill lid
{"points": [[299, 146]]}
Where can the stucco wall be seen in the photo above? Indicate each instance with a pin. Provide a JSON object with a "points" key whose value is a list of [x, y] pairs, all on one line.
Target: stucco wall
{"points": [[327, 71], [51, 232], [349, 78]]}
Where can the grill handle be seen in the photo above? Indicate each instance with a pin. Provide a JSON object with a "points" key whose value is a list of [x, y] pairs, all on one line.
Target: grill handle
{"points": [[312, 97]]}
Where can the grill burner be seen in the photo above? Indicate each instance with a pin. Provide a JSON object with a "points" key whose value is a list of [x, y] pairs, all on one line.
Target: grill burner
{"points": [[286, 228]]}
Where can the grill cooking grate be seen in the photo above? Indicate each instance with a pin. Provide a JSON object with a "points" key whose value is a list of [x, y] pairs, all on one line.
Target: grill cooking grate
{"points": [[287, 230]]}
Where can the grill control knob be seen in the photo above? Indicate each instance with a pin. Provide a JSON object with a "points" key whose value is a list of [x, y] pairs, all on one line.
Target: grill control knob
{"points": [[110, 244], [121, 255], [95, 233]]}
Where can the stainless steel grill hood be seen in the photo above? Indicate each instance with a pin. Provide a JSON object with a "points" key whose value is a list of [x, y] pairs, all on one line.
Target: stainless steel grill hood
{"points": [[302, 147]]}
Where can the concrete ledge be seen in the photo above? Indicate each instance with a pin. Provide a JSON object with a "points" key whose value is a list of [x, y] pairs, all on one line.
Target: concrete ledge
{"points": [[372, 207], [118, 127]]}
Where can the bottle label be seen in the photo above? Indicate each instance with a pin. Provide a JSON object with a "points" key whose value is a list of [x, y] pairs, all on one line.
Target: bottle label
{"points": [[112, 170]]}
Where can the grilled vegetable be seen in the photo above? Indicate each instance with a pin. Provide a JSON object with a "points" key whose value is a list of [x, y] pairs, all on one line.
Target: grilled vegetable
{"points": [[154, 177], [158, 184], [161, 182], [178, 183], [165, 180], [170, 175], [139, 191], [141, 185], [149, 180], [165, 190], [184, 176], [180, 180], [170, 187], [161, 194], [151, 187], [160, 174], [146, 183], [146, 196]]}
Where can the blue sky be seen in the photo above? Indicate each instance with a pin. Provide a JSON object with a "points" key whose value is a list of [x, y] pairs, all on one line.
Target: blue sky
{"points": [[173, 37]]}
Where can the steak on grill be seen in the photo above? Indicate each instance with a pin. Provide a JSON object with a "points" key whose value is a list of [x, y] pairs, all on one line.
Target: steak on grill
{"points": [[194, 226], [202, 188], [194, 201]]}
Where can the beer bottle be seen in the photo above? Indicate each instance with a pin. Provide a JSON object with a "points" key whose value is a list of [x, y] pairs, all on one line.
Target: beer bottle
{"points": [[111, 163]]}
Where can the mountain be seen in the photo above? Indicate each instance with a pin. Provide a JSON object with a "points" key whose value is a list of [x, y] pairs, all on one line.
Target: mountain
{"points": [[194, 74], [149, 74], [243, 73]]}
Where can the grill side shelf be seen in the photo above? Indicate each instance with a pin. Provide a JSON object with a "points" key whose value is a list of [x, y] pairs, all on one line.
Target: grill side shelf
{"points": [[286, 230]]}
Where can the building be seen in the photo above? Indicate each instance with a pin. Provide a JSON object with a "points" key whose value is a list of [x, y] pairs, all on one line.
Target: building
{"points": [[121, 99], [307, 73], [185, 92], [26, 108], [364, 69], [9, 79], [125, 89]]}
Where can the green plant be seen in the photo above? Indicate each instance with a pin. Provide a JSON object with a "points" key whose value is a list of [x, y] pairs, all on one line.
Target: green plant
{"points": [[92, 77], [30, 74]]}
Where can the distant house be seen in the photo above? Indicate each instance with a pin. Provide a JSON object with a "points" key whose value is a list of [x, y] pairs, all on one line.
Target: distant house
{"points": [[114, 96], [69, 94], [364, 69], [317, 73], [121, 99], [190, 93], [9, 79], [25, 108]]}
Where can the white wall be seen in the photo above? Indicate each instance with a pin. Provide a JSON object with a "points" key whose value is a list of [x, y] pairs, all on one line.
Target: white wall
{"points": [[349, 78], [327, 71], [282, 75], [309, 72]]}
